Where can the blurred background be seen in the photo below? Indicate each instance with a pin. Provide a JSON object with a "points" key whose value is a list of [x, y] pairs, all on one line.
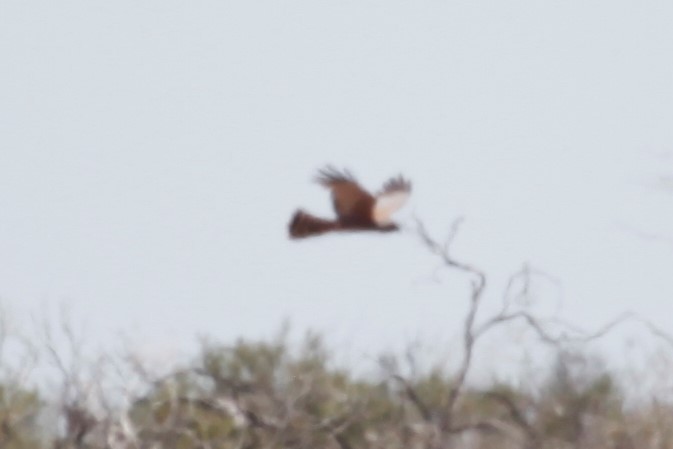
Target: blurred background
{"points": [[152, 153]]}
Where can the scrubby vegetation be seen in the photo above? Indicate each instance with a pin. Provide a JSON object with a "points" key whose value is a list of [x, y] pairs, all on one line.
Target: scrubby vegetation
{"points": [[270, 395], [276, 394]]}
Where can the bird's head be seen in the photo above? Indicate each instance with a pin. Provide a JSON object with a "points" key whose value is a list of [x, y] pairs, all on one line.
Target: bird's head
{"points": [[389, 227]]}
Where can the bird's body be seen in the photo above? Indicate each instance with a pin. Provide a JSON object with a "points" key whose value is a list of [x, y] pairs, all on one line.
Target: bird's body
{"points": [[356, 209]]}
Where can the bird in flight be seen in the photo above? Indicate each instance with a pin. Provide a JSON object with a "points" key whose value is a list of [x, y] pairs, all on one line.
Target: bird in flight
{"points": [[356, 209]]}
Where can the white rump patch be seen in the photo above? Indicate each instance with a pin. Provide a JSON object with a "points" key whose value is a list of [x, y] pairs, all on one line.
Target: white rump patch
{"points": [[387, 204]]}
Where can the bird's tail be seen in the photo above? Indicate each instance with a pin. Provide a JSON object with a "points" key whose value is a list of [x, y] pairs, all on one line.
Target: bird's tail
{"points": [[306, 225]]}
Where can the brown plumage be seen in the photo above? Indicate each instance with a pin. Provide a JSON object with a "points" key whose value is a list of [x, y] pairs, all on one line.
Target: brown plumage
{"points": [[356, 209]]}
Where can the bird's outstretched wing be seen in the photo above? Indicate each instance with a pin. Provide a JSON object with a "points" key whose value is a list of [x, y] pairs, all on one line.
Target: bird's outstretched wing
{"points": [[391, 198], [348, 197]]}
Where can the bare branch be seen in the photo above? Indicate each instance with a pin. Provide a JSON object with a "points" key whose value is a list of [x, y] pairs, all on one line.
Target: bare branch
{"points": [[478, 285], [517, 289], [414, 398], [515, 414], [443, 251], [656, 331]]}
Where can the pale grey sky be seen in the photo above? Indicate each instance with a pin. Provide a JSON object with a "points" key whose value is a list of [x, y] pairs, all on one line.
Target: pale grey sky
{"points": [[152, 152]]}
